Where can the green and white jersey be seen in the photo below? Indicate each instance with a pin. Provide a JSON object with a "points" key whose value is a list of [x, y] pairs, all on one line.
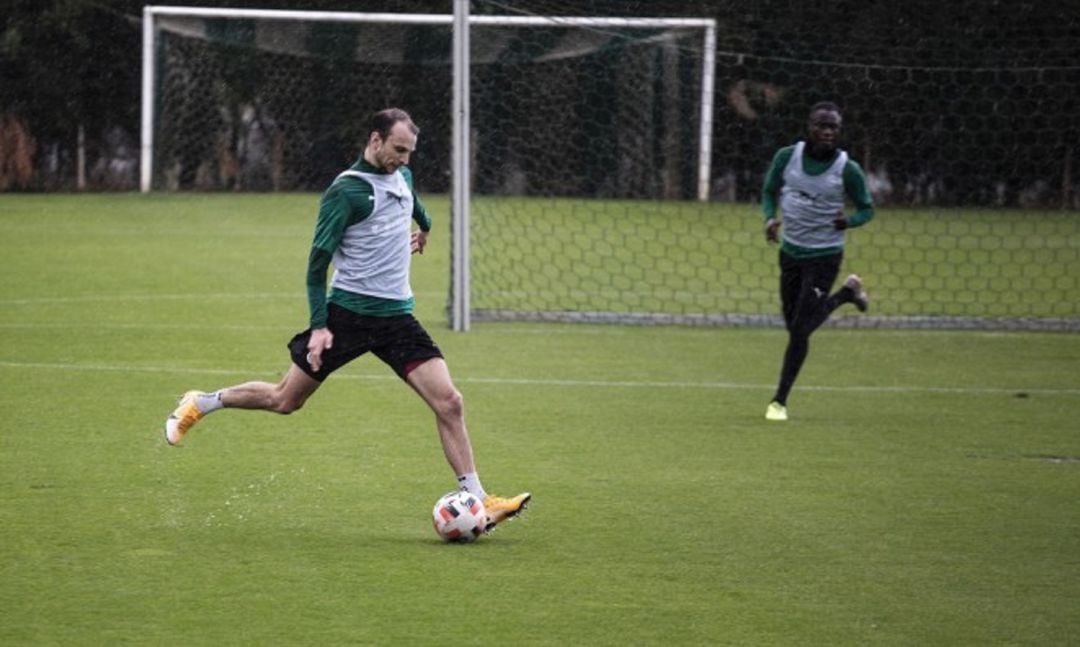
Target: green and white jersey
{"points": [[373, 256], [810, 202], [364, 226], [810, 193]]}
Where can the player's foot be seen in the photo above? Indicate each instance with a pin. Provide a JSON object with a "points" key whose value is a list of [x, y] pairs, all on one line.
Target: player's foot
{"points": [[183, 418], [500, 509], [776, 411], [861, 299]]}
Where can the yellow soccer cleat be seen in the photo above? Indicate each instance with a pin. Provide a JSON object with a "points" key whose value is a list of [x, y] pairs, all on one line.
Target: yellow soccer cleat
{"points": [[776, 411], [500, 509], [183, 418]]}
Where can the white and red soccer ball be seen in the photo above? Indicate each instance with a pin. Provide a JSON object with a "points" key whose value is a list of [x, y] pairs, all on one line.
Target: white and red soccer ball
{"points": [[459, 517]]}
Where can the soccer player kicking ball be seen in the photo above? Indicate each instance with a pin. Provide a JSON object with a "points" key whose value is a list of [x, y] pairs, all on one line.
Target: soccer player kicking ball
{"points": [[809, 181], [365, 228]]}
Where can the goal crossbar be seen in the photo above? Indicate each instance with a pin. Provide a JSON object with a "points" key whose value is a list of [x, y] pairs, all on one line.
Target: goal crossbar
{"points": [[431, 19]]}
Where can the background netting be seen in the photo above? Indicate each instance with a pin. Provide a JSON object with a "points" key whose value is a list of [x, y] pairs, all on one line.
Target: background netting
{"points": [[281, 105], [585, 151]]}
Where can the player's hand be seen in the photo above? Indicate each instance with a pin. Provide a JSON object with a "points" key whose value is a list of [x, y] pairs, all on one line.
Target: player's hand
{"points": [[320, 340], [840, 222], [419, 241], [772, 226]]}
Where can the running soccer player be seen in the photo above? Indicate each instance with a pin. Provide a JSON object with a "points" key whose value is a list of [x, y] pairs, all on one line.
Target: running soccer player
{"points": [[808, 182]]}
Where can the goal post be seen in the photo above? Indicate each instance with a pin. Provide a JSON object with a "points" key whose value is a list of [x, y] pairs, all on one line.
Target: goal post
{"points": [[458, 299]]}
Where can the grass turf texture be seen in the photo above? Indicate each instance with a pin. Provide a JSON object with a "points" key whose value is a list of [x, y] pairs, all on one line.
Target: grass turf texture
{"points": [[924, 491]]}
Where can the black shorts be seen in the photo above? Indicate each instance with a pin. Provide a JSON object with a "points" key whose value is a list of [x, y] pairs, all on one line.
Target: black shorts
{"points": [[399, 341], [805, 283]]}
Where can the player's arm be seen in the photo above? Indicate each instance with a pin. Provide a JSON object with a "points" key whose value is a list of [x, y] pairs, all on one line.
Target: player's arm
{"points": [[774, 179], [770, 191], [419, 215], [858, 191], [344, 203]]}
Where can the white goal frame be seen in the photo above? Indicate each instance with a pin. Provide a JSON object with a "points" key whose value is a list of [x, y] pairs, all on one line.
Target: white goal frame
{"points": [[460, 21]]}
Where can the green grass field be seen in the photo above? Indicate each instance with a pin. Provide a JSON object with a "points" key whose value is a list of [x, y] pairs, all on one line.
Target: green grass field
{"points": [[924, 492]]}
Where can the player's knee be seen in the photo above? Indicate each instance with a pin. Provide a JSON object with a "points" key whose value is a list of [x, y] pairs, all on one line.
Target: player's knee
{"points": [[451, 404]]}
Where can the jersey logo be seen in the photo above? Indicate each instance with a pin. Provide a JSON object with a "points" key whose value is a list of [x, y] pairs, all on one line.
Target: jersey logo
{"points": [[818, 200]]}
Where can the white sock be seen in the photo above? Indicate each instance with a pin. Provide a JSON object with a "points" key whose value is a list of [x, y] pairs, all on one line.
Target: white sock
{"points": [[471, 483], [209, 402]]}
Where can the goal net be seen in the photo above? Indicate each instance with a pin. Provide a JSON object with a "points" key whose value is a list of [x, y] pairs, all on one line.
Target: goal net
{"points": [[589, 138]]}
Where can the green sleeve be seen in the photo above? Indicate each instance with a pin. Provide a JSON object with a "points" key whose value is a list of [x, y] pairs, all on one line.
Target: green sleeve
{"points": [[345, 203], [856, 188], [774, 179], [318, 262], [419, 213]]}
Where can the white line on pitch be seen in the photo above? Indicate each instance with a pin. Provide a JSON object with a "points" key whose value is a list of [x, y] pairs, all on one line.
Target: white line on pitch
{"points": [[969, 390], [67, 325], [91, 298], [108, 298]]}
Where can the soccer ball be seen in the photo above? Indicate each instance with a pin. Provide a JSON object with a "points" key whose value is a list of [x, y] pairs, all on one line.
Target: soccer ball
{"points": [[459, 517]]}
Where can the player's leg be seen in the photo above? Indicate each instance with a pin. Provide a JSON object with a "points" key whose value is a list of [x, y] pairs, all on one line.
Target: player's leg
{"points": [[416, 358], [794, 285], [791, 287], [816, 304], [284, 397], [812, 307], [430, 379], [852, 292], [351, 340], [825, 271]]}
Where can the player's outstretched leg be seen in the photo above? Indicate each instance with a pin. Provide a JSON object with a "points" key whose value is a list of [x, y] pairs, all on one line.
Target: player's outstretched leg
{"points": [[183, 418], [859, 296], [500, 509]]}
